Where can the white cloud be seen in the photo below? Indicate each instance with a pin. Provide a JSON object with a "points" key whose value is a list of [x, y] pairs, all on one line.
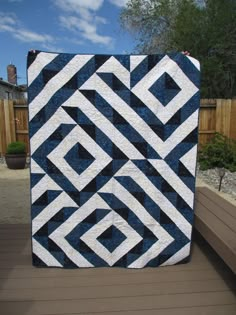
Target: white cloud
{"points": [[7, 19], [81, 17], [73, 40], [6, 28], [90, 32], [86, 9], [78, 6], [100, 19], [87, 30], [29, 36], [119, 3], [10, 24], [53, 48]]}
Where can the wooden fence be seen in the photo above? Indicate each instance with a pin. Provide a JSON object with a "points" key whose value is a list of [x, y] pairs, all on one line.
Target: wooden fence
{"points": [[216, 115], [13, 123]]}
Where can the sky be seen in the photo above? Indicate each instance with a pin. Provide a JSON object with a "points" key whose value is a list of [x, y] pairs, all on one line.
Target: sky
{"points": [[71, 26]]}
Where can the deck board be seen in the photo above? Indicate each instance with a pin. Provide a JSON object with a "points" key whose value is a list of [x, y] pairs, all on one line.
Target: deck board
{"points": [[109, 280], [215, 219], [223, 203], [217, 210], [118, 304], [205, 285], [86, 292]]}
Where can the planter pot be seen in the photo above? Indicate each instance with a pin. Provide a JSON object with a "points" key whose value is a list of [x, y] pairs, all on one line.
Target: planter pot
{"points": [[15, 161]]}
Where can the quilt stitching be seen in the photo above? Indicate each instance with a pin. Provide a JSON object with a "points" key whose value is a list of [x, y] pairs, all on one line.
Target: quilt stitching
{"points": [[113, 156]]}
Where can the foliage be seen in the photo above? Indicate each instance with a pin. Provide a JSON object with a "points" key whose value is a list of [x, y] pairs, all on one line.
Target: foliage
{"points": [[205, 28], [17, 147], [220, 152]]}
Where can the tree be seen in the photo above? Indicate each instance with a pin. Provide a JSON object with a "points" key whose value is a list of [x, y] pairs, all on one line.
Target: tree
{"points": [[205, 28]]}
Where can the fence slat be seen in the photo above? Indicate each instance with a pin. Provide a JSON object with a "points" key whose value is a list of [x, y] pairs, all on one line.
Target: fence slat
{"points": [[233, 120], [223, 111], [2, 128], [21, 115], [207, 120], [11, 122]]}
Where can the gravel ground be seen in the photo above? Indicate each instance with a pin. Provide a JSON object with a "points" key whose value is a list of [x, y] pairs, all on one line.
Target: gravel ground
{"points": [[211, 178]]}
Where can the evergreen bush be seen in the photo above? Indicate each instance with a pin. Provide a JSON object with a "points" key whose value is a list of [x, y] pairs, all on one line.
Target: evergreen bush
{"points": [[220, 152], [16, 147]]}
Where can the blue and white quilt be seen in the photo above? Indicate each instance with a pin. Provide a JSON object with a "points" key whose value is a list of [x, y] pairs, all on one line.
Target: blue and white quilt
{"points": [[113, 155]]}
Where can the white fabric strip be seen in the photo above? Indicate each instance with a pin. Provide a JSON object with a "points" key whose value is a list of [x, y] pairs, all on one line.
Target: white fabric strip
{"points": [[174, 180], [180, 133], [180, 255], [188, 89], [40, 62], [104, 124], [78, 135], [132, 238], [164, 238], [63, 200], [56, 83], [58, 236], [189, 160], [129, 169], [112, 65], [127, 112], [136, 60], [35, 168], [44, 254], [60, 117], [46, 183]]}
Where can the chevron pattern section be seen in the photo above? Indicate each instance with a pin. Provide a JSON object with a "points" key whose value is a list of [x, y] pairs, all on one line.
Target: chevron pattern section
{"points": [[113, 155]]}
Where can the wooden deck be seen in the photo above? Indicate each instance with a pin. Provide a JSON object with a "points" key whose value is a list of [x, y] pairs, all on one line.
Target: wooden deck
{"points": [[203, 286]]}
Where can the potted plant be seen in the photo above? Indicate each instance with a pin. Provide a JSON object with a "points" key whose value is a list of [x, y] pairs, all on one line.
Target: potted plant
{"points": [[16, 155]]}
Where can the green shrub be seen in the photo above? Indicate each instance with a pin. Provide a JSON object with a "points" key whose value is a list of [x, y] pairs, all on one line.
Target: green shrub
{"points": [[17, 147], [220, 152]]}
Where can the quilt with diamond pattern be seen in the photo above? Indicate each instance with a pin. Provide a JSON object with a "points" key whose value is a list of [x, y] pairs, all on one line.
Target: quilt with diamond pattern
{"points": [[113, 154]]}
